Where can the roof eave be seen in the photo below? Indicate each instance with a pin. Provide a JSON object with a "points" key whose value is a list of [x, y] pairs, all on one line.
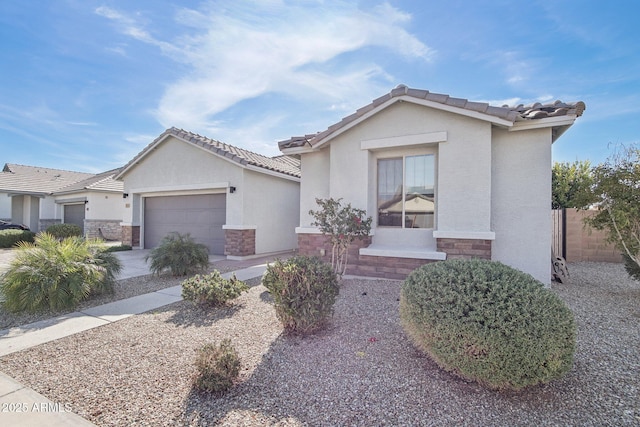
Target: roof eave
{"points": [[405, 98]]}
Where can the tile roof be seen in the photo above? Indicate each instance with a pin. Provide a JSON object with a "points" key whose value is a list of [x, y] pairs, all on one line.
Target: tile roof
{"points": [[282, 164], [33, 179], [511, 114], [100, 182]]}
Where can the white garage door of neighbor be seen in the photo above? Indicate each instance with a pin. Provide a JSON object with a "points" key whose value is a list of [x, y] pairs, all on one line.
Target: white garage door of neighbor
{"points": [[201, 215], [74, 214]]}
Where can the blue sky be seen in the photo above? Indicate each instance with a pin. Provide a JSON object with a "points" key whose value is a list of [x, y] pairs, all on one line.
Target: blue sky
{"points": [[85, 84]]}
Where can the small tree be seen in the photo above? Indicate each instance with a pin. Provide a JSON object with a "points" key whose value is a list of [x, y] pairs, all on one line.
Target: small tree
{"points": [[343, 224], [571, 185], [617, 188]]}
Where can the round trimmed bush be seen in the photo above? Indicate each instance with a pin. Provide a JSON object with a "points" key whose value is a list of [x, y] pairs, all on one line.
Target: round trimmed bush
{"points": [[304, 290], [487, 322]]}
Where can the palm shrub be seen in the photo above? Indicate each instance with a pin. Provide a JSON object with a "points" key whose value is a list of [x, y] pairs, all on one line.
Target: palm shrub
{"points": [[304, 290], [212, 289], [9, 238], [64, 230], [57, 274], [218, 366], [488, 322], [179, 254]]}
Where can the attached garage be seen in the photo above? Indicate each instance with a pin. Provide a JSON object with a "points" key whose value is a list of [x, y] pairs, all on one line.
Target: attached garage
{"points": [[238, 203], [74, 214], [201, 215]]}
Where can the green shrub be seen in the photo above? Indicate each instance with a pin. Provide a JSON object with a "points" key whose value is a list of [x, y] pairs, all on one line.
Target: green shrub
{"points": [[9, 238], [57, 274], [118, 248], [488, 322], [212, 289], [304, 290], [218, 367], [61, 231], [179, 254]]}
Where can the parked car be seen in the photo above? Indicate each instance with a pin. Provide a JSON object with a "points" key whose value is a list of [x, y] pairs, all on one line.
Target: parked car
{"points": [[4, 225]]}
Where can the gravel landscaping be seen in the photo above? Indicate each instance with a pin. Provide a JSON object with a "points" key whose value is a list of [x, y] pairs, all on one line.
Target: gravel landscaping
{"points": [[125, 288], [361, 371]]}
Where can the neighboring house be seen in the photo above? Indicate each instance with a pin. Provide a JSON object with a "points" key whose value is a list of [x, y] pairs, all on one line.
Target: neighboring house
{"points": [[442, 177], [236, 202], [95, 204], [39, 197]]}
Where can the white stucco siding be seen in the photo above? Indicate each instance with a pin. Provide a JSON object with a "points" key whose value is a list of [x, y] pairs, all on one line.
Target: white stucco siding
{"points": [[464, 176], [107, 206], [5, 206], [314, 183], [48, 208], [521, 201], [272, 204]]}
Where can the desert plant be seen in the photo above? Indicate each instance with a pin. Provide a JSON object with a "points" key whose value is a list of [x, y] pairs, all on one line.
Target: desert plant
{"points": [[179, 254], [304, 290], [9, 238], [57, 274], [212, 289], [218, 367], [343, 224], [61, 231], [488, 322], [617, 188]]}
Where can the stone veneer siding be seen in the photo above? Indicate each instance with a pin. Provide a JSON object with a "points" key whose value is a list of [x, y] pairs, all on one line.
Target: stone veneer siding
{"points": [[131, 235], [390, 267], [240, 242], [103, 228], [465, 248]]}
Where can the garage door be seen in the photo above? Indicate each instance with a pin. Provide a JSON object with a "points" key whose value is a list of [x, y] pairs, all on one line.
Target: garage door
{"points": [[202, 216], [74, 214]]}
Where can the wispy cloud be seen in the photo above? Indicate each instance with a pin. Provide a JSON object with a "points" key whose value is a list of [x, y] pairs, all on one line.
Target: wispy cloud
{"points": [[238, 51]]}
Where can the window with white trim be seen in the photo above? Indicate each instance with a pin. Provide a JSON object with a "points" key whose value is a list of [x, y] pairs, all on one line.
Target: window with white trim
{"points": [[406, 196]]}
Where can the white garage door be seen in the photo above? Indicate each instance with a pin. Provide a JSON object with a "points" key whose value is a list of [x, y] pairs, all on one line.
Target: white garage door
{"points": [[202, 216]]}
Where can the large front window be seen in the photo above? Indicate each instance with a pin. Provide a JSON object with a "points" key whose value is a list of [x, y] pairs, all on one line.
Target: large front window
{"points": [[406, 191]]}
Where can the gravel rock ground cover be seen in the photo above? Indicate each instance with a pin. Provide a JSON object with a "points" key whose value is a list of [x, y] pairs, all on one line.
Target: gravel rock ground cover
{"points": [[361, 371], [125, 288]]}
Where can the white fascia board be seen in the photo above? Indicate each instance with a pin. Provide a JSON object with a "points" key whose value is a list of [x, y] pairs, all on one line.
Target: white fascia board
{"points": [[461, 111], [473, 235], [404, 141], [543, 123], [298, 150], [239, 227], [271, 172], [212, 188]]}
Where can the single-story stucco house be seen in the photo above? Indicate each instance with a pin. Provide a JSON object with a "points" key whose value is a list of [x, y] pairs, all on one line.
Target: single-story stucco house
{"points": [[442, 177], [39, 197], [236, 202]]}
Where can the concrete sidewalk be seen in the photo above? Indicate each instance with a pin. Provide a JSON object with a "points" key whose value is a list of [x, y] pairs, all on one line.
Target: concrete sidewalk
{"points": [[21, 406]]}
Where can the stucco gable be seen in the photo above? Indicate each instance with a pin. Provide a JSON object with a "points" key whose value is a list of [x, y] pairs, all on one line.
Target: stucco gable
{"points": [[536, 115], [283, 165]]}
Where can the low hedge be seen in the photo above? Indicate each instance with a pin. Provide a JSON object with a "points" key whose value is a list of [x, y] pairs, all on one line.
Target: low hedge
{"points": [[62, 231], [9, 238]]}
